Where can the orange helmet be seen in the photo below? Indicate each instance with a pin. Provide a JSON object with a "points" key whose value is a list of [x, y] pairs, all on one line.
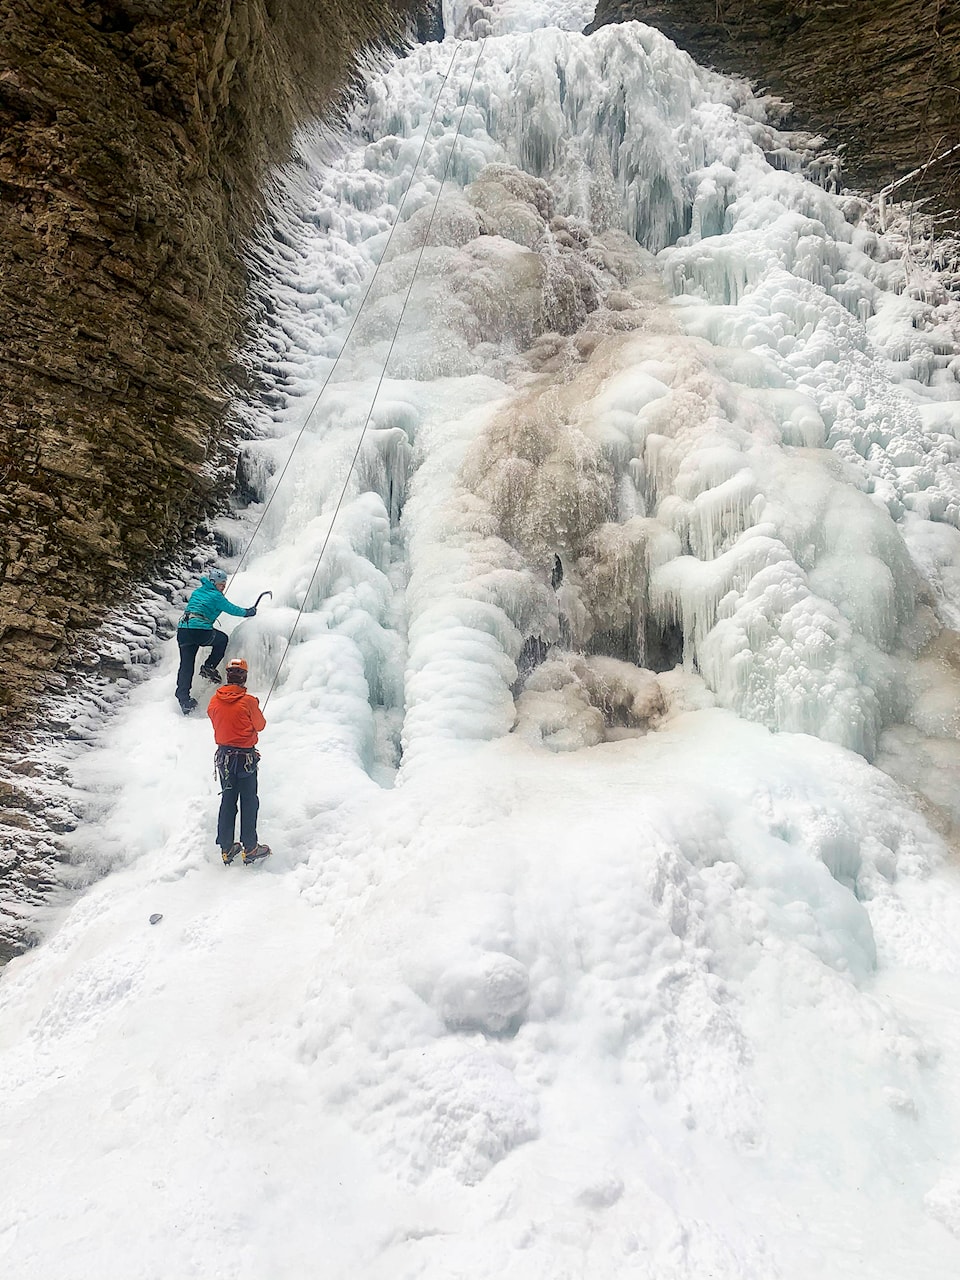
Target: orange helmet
{"points": [[236, 671]]}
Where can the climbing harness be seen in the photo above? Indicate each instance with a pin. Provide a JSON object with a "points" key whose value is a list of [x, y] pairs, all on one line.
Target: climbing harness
{"points": [[230, 762], [192, 613]]}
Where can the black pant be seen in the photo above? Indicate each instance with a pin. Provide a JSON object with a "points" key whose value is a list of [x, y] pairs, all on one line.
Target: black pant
{"points": [[190, 639], [237, 771]]}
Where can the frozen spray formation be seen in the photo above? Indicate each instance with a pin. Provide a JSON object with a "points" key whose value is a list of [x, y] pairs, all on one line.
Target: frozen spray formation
{"points": [[594, 944], [723, 409]]}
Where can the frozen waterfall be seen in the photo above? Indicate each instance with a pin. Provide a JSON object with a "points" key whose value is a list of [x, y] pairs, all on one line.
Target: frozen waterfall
{"points": [[613, 928]]}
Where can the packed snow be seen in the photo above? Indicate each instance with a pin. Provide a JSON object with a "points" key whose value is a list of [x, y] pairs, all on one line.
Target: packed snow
{"points": [[613, 923]]}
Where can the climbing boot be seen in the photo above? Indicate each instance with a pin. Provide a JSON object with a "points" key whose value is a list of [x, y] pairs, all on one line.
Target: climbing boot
{"points": [[188, 705], [228, 855], [211, 673], [256, 853]]}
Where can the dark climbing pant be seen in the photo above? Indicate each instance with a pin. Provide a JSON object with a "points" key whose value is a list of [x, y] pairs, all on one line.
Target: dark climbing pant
{"points": [[237, 772], [190, 639]]}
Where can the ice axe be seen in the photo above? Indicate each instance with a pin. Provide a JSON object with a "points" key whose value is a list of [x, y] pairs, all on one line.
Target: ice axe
{"points": [[260, 597]]}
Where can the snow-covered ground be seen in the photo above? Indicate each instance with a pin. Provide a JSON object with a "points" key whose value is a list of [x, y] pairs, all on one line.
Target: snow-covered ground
{"points": [[595, 943]]}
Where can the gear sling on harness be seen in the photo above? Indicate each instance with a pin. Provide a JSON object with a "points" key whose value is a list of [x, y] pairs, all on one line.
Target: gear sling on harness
{"points": [[188, 614]]}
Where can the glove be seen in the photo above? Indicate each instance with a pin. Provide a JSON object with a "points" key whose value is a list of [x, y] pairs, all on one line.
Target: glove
{"points": [[251, 612]]}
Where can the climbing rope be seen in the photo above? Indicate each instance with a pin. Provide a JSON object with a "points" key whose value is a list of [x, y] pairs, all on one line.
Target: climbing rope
{"points": [[353, 324], [383, 374]]}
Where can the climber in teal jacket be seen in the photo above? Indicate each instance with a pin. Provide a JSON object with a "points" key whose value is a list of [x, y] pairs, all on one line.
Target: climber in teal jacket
{"points": [[196, 631]]}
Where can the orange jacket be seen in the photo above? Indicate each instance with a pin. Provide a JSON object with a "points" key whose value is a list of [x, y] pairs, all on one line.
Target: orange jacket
{"points": [[236, 716]]}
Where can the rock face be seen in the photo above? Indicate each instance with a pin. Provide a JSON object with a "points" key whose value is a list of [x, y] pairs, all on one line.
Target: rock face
{"points": [[133, 138], [881, 78]]}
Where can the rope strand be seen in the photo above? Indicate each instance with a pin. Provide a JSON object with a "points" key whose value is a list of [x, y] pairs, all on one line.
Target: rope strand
{"points": [[353, 323], [383, 374]]}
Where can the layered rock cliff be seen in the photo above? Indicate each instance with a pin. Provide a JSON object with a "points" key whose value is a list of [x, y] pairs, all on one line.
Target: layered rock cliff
{"points": [[882, 80], [133, 138]]}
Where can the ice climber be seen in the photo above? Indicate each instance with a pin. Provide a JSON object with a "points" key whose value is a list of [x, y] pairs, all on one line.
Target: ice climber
{"points": [[195, 630], [237, 719]]}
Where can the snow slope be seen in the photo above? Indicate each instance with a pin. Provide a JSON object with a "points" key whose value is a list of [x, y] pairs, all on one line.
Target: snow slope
{"points": [[595, 943]]}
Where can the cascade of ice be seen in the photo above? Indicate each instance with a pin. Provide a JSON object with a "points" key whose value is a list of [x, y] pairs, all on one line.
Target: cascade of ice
{"points": [[785, 327], [585, 891]]}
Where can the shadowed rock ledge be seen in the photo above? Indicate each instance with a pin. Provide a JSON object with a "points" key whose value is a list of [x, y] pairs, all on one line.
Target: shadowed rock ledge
{"points": [[133, 138]]}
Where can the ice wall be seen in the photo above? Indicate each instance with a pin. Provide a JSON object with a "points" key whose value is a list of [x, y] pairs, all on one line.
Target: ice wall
{"points": [[721, 404]]}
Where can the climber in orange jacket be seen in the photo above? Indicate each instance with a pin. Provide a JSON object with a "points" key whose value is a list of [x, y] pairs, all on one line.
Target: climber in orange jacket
{"points": [[237, 721]]}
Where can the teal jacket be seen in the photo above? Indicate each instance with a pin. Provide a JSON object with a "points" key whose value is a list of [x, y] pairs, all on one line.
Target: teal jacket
{"points": [[206, 605]]}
